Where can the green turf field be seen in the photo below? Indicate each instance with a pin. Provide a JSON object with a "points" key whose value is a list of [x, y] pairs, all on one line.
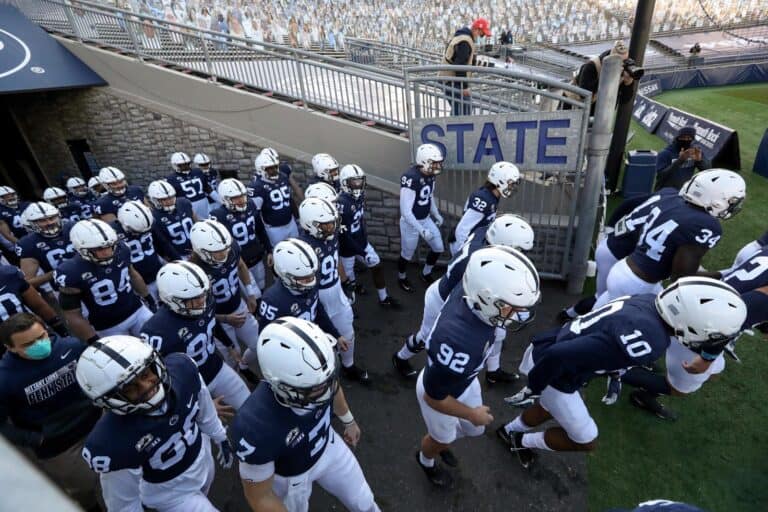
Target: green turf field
{"points": [[716, 454]]}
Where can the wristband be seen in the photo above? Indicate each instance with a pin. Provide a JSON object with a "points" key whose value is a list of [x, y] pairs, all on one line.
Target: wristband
{"points": [[251, 289], [347, 417]]}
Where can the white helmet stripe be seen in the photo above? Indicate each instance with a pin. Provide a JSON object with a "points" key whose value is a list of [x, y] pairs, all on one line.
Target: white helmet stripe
{"points": [[309, 341]]}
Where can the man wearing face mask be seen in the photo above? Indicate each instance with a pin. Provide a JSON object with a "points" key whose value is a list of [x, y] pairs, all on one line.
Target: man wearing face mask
{"points": [[42, 409], [677, 163]]}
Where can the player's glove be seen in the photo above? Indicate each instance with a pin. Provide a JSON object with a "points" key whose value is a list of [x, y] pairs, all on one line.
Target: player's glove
{"points": [[349, 290], [426, 235], [225, 457], [439, 220], [613, 389], [58, 325], [522, 398], [151, 303]]}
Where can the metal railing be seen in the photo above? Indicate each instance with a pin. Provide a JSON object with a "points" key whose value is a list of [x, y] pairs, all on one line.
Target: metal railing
{"points": [[388, 55]]}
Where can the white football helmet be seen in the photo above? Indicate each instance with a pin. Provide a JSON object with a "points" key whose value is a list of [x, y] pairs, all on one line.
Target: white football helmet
{"points": [[702, 310], [210, 238], [77, 187], [180, 162], [202, 161], [90, 234], [135, 217], [504, 176], [271, 152], [162, 195], [352, 179], [298, 361], [322, 190], [512, 231], [113, 180], [181, 281], [497, 277], [295, 264], [233, 195], [719, 191], [110, 363], [326, 167], [319, 218], [55, 196], [96, 186], [9, 197], [430, 159], [42, 218], [267, 166]]}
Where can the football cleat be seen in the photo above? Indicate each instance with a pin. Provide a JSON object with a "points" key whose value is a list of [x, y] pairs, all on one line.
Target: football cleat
{"points": [[390, 303], [428, 278], [437, 475], [355, 373], [514, 442], [449, 458], [522, 398], [648, 401], [500, 377], [403, 367], [405, 285]]}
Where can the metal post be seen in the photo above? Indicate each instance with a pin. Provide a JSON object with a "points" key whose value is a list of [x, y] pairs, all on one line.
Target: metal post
{"points": [[300, 73], [641, 32], [207, 57], [597, 151]]}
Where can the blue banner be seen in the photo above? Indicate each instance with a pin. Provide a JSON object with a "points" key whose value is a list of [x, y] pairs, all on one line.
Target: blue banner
{"points": [[649, 88], [648, 113], [31, 60]]}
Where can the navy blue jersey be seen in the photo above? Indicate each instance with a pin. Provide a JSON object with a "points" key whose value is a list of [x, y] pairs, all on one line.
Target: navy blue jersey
{"points": [[627, 228], [483, 202], [246, 228], [109, 203], [73, 211], [264, 431], [86, 203], [191, 185], [144, 257], [176, 225], [168, 332], [41, 395], [49, 252], [424, 186], [12, 285], [458, 264], [105, 289], [624, 333], [12, 217], [751, 274], [353, 238], [757, 308], [272, 199], [672, 223], [163, 445], [278, 301], [211, 178], [456, 349], [225, 283], [327, 252]]}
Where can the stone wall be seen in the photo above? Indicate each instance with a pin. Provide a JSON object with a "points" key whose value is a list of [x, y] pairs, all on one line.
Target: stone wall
{"points": [[139, 141]]}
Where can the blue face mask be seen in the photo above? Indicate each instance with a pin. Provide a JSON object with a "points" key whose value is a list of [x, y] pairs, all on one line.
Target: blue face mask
{"points": [[39, 350]]}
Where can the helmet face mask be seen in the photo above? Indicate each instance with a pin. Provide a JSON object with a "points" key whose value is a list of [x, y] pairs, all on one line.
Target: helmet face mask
{"points": [[9, 198], [233, 195], [181, 163], [429, 159], [48, 226], [319, 218], [126, 398], [162, 196], [94, 240], [42, 218], [735, 204], [211, 241], [184, 288], [309, 398], [353, 181], [237, 203], [117, 188], [295, 264]]}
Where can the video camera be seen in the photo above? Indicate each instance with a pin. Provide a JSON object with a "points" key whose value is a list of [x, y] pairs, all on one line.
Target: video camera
{"points": [[632, 69]]}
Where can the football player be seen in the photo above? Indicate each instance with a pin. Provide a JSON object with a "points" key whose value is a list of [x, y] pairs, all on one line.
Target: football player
{"points": [[152, 446], [623, 229], [69, 209], [101, 277], [134, 228], [211, 175], [117, 192], [498, 283], [283, 433], [186, 323], [295, 291], [242, 219], [326, 170], [173, 215], [220, 259], [627, 332], [322, 190], [508, 230], [78, 191], [747, 251], [480, 208], [676, 234], [353, 241], [10, 214], [696, 352], [46, 246], [96, 187], [189, 183], [16, 294], [271, 192], [319, 223], [417, 203]]}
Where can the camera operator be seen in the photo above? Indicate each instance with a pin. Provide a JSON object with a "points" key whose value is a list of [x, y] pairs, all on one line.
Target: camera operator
{"points": [[588, 76], [677, 163]]}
